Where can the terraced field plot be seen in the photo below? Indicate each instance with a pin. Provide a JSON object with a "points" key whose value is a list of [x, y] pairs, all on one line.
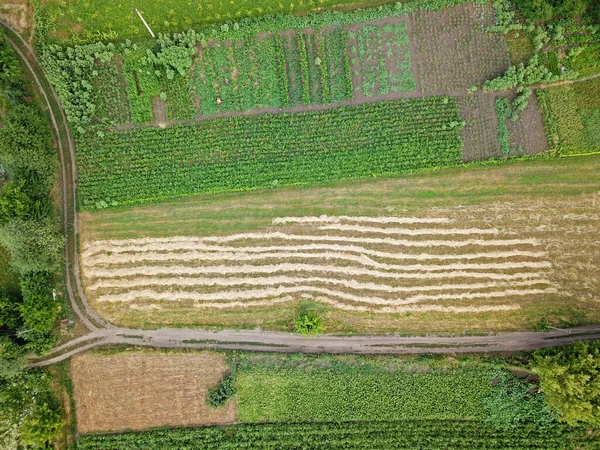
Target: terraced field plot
{"points": [[572, 117], [247, 153]]}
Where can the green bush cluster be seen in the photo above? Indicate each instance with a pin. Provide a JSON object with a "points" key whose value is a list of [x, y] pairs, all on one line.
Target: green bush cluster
{"points": [[225, 390], [524, 75], [29, 416]]}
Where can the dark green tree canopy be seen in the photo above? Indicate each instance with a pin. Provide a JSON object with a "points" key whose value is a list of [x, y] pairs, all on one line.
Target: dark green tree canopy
{"points": [[570, 379]]}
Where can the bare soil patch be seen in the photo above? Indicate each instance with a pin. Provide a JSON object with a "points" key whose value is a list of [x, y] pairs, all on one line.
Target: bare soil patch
{"points": [[528, 131], [159, 110], [18, 14], [143, 390], [453, 50], [480, 134]]}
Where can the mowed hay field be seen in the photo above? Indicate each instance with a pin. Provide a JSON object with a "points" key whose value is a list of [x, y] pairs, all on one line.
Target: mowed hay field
{"points": [[144, 389], [489, 248]]}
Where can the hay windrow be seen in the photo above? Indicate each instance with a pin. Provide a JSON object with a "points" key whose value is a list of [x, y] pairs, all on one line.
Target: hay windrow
{"points": [[344, 270]]}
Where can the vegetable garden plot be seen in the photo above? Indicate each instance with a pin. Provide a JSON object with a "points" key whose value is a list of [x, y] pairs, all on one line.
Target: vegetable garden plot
{"points": [[355, 264], [480, 135], [453, 50], [380, 59], [112, 92], [243, 153], [304, 67]]}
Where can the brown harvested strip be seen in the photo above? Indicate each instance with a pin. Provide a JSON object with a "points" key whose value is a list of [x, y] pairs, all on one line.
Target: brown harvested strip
{"points": [[409, 231], [182, 243], [346, 307], [202, 251], [127, 283], [120, 259], [356, 271], [252, 294], [337, 219], [271, 268]]}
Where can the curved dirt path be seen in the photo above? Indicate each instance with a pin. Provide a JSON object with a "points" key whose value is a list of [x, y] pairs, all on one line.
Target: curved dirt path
{"points": [[269, 341], [104, 333]]}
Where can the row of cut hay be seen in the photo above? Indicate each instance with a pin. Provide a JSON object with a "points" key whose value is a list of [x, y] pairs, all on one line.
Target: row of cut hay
{"points": [[351, 267], [190, 243], [255, 254]]}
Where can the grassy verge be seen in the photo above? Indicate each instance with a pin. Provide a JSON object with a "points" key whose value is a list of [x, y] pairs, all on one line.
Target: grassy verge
{"points": [[81, 20], [228, 213]]}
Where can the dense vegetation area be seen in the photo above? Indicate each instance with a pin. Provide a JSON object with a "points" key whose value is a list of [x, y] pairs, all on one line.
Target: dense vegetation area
{"points": [[29, 232], [408, 434], [271, 62], [301, 401], [84, 21], [572, 117], [244, 153]]}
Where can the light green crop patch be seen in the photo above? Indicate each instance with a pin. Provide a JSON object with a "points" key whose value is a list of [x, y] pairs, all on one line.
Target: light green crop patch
{"points": [[295, 395]]}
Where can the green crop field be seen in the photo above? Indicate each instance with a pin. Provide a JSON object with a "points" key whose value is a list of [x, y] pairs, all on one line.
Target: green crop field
{"points": [[245, 153], [409, 434], [279, 390], [572, 117], [331, 402]]}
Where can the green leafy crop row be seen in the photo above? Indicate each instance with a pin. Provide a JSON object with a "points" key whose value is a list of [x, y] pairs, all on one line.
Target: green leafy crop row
{"points": [[383, 435], [244, 153]]}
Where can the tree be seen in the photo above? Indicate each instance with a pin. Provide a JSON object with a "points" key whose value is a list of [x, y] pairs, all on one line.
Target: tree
{"points": [[26, 150], [536, 10], [43, 425], [39, 309], [35, 245], [12, 359], [570, 379], [544, 10], [16, 204]]}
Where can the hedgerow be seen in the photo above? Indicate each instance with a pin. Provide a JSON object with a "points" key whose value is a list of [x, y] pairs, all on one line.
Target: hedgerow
{"points": [[244, 153]]}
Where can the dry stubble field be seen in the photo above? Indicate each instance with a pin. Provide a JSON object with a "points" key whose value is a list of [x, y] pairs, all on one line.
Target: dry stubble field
{"points": [[148, 388], [481, 249]]}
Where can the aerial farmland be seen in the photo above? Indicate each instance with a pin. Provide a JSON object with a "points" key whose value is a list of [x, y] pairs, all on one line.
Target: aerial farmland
{"points": [[303, 224]]}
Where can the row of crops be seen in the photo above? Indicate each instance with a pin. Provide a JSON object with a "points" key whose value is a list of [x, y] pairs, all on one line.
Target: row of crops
{"points": [[273, 70], [245, 153], [384, 435]]}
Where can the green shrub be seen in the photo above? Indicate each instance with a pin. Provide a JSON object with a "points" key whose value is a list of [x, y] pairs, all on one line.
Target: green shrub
{"points": [[308, 324], [516, 402], [219, 395]]}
